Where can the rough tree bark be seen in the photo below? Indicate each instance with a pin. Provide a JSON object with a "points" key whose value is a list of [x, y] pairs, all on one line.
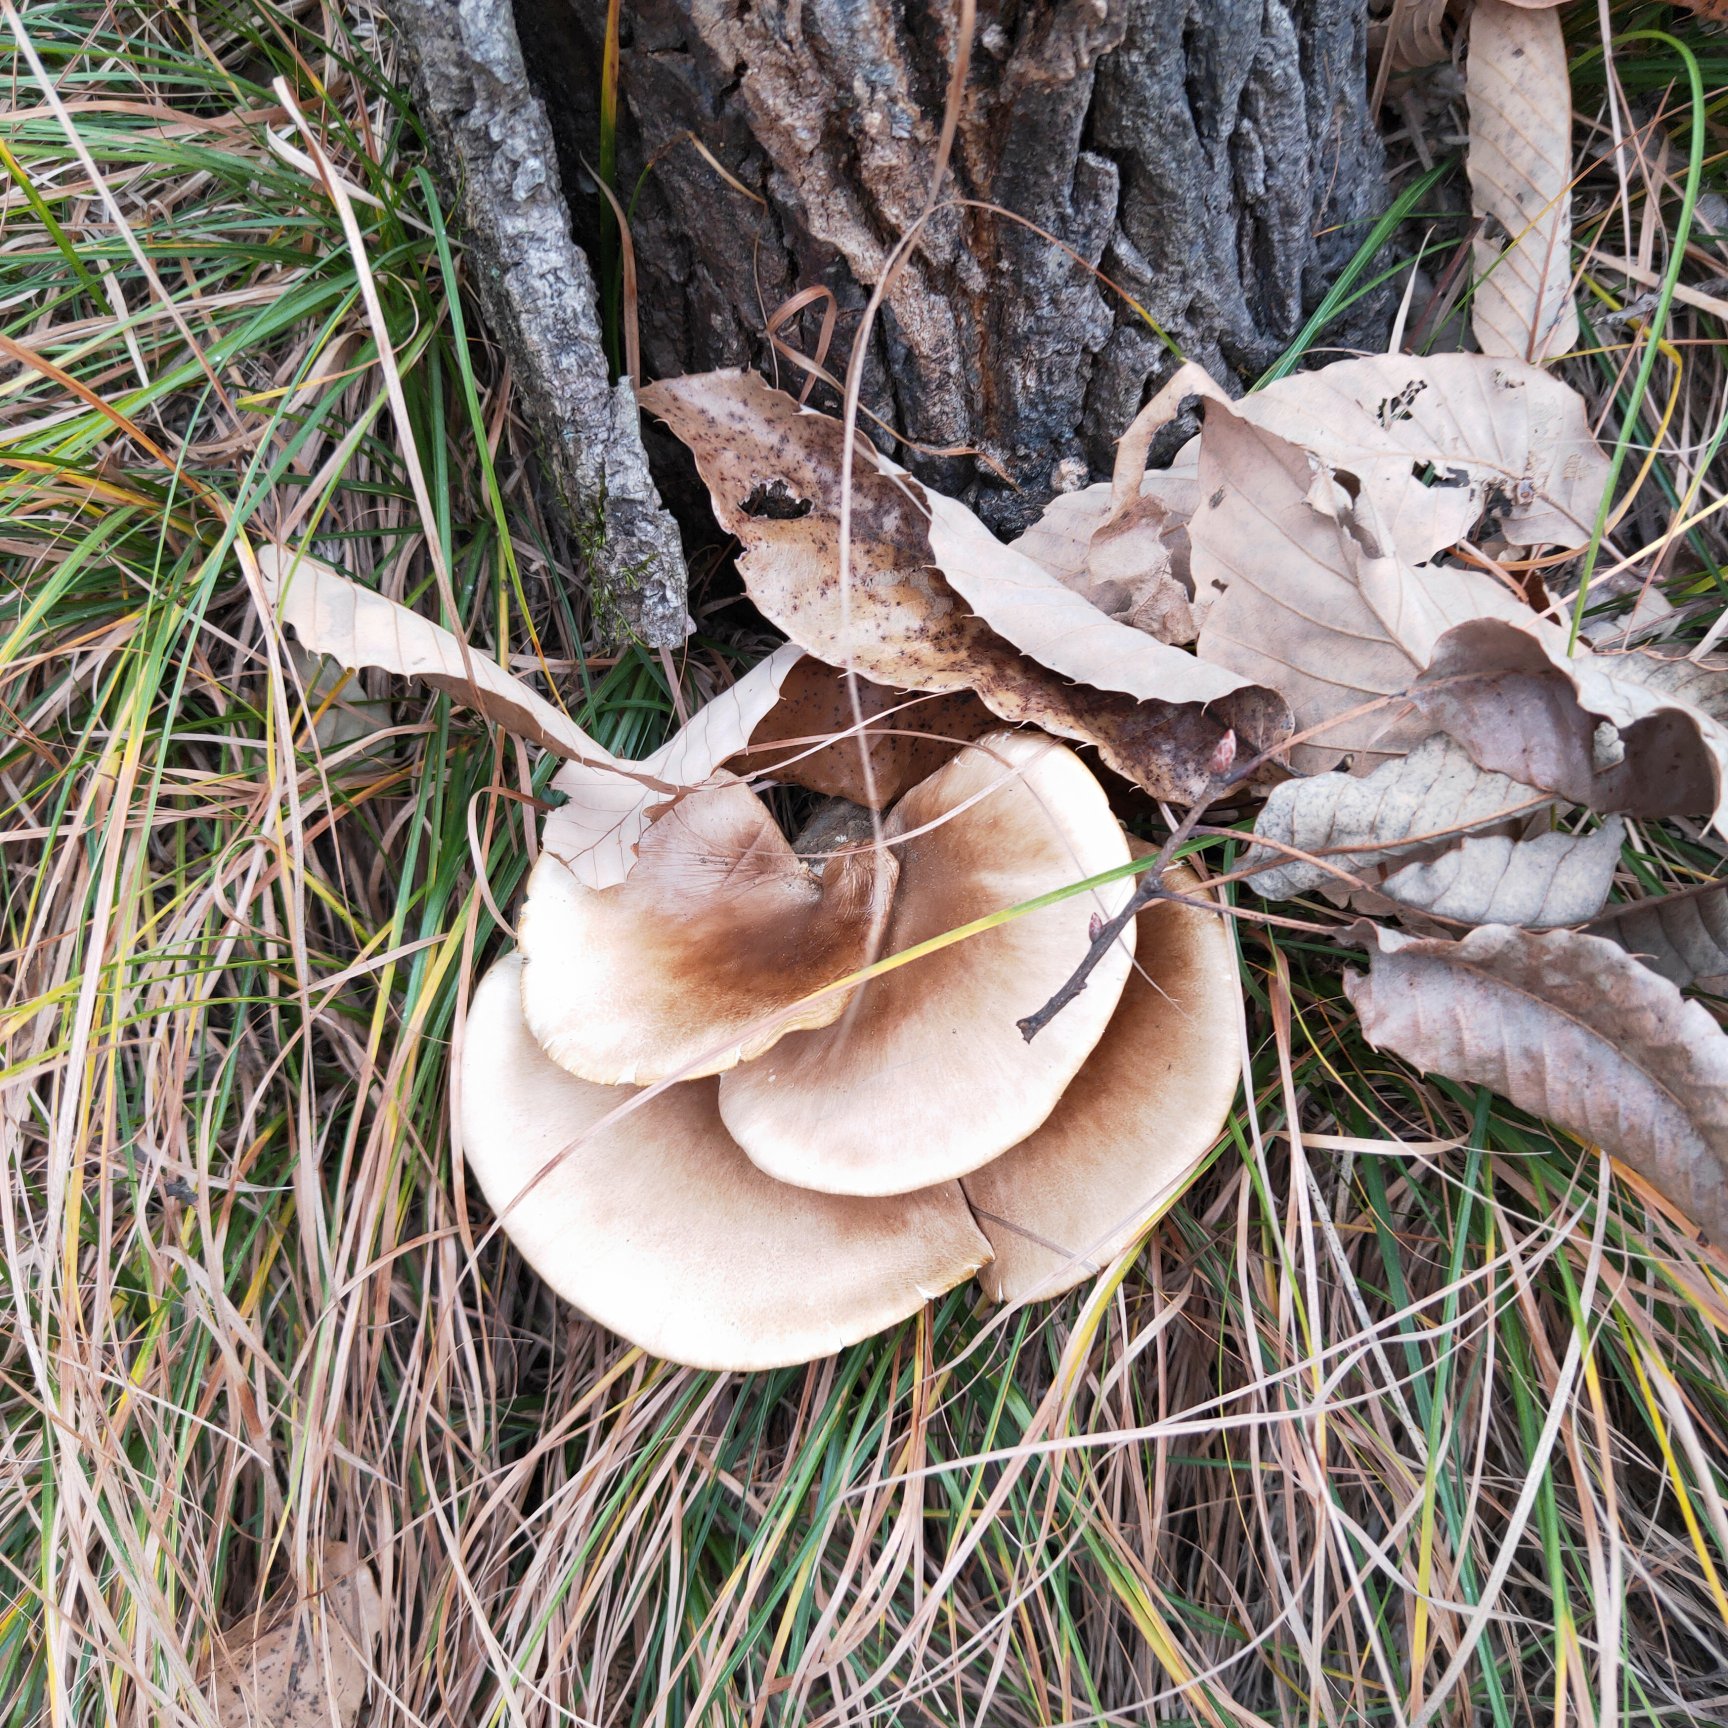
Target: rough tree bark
{"points": [[1215, 158], [492, 140]]}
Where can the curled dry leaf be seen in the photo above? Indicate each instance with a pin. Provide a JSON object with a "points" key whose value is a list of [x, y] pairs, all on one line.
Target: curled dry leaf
{"points": [[1431, 797], [608, 802], [1133, 567], [359, 627], [908, 735], [1631, 733], [598, 827], [906, 621], [308, 1668], [1124, 546], [1547, 880], [1572, 1029], [1682, 936], [1440, 447], [1057, 627], [1314, 600], [1520, 164], [1413, 34]]}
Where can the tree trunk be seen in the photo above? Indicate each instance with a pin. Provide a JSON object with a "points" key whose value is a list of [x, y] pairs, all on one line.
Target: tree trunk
{"points": [[493, 142], [1214, 158]]}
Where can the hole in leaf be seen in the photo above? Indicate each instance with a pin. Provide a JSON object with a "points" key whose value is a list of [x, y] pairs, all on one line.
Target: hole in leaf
{"points": [[775, 500]]}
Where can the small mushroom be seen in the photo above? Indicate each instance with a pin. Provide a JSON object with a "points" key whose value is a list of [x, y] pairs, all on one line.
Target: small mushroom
{"points": [[659, 1227], [682, 968]]}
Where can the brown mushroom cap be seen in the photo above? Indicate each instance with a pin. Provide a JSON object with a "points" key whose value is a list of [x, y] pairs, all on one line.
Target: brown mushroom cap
{"points": [[660, 1228], [1129, 1131], [680, 969], [926, 1075]]}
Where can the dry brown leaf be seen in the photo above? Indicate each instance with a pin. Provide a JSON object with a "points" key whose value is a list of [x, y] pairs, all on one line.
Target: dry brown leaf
{"points": [[1124, 546], [1539, 883], [1433, 796], [1133, 567], [1630, 733], [1520, 164], [1413, 34], [342, 713], [1313, 600], [773, 473], [1652, 616], [1573, 1030], [908, 735], [359, 627], [1682, 936], [1437, 442], [604, 813], [1440, 447], [1060, 629], [309, 1668]]}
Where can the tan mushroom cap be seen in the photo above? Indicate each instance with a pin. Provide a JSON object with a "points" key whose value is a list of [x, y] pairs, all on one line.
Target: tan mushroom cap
{"points": [[926, 1075], [690, 964], [1131, 1129], [661, 1229]]}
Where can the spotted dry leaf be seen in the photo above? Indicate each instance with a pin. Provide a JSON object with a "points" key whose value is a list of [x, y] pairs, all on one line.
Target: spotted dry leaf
{"points": [[1520, 165], [307, 1668], [1447, 446], [772, 470], [1572, 1029], [1314, 600]]}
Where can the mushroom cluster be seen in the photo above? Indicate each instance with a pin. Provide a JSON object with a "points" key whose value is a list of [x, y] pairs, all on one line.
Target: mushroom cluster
{"points": [[705, 1131]]}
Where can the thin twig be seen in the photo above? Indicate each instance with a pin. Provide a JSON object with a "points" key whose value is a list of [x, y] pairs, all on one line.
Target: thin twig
{"points": [[1147, 889]]}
